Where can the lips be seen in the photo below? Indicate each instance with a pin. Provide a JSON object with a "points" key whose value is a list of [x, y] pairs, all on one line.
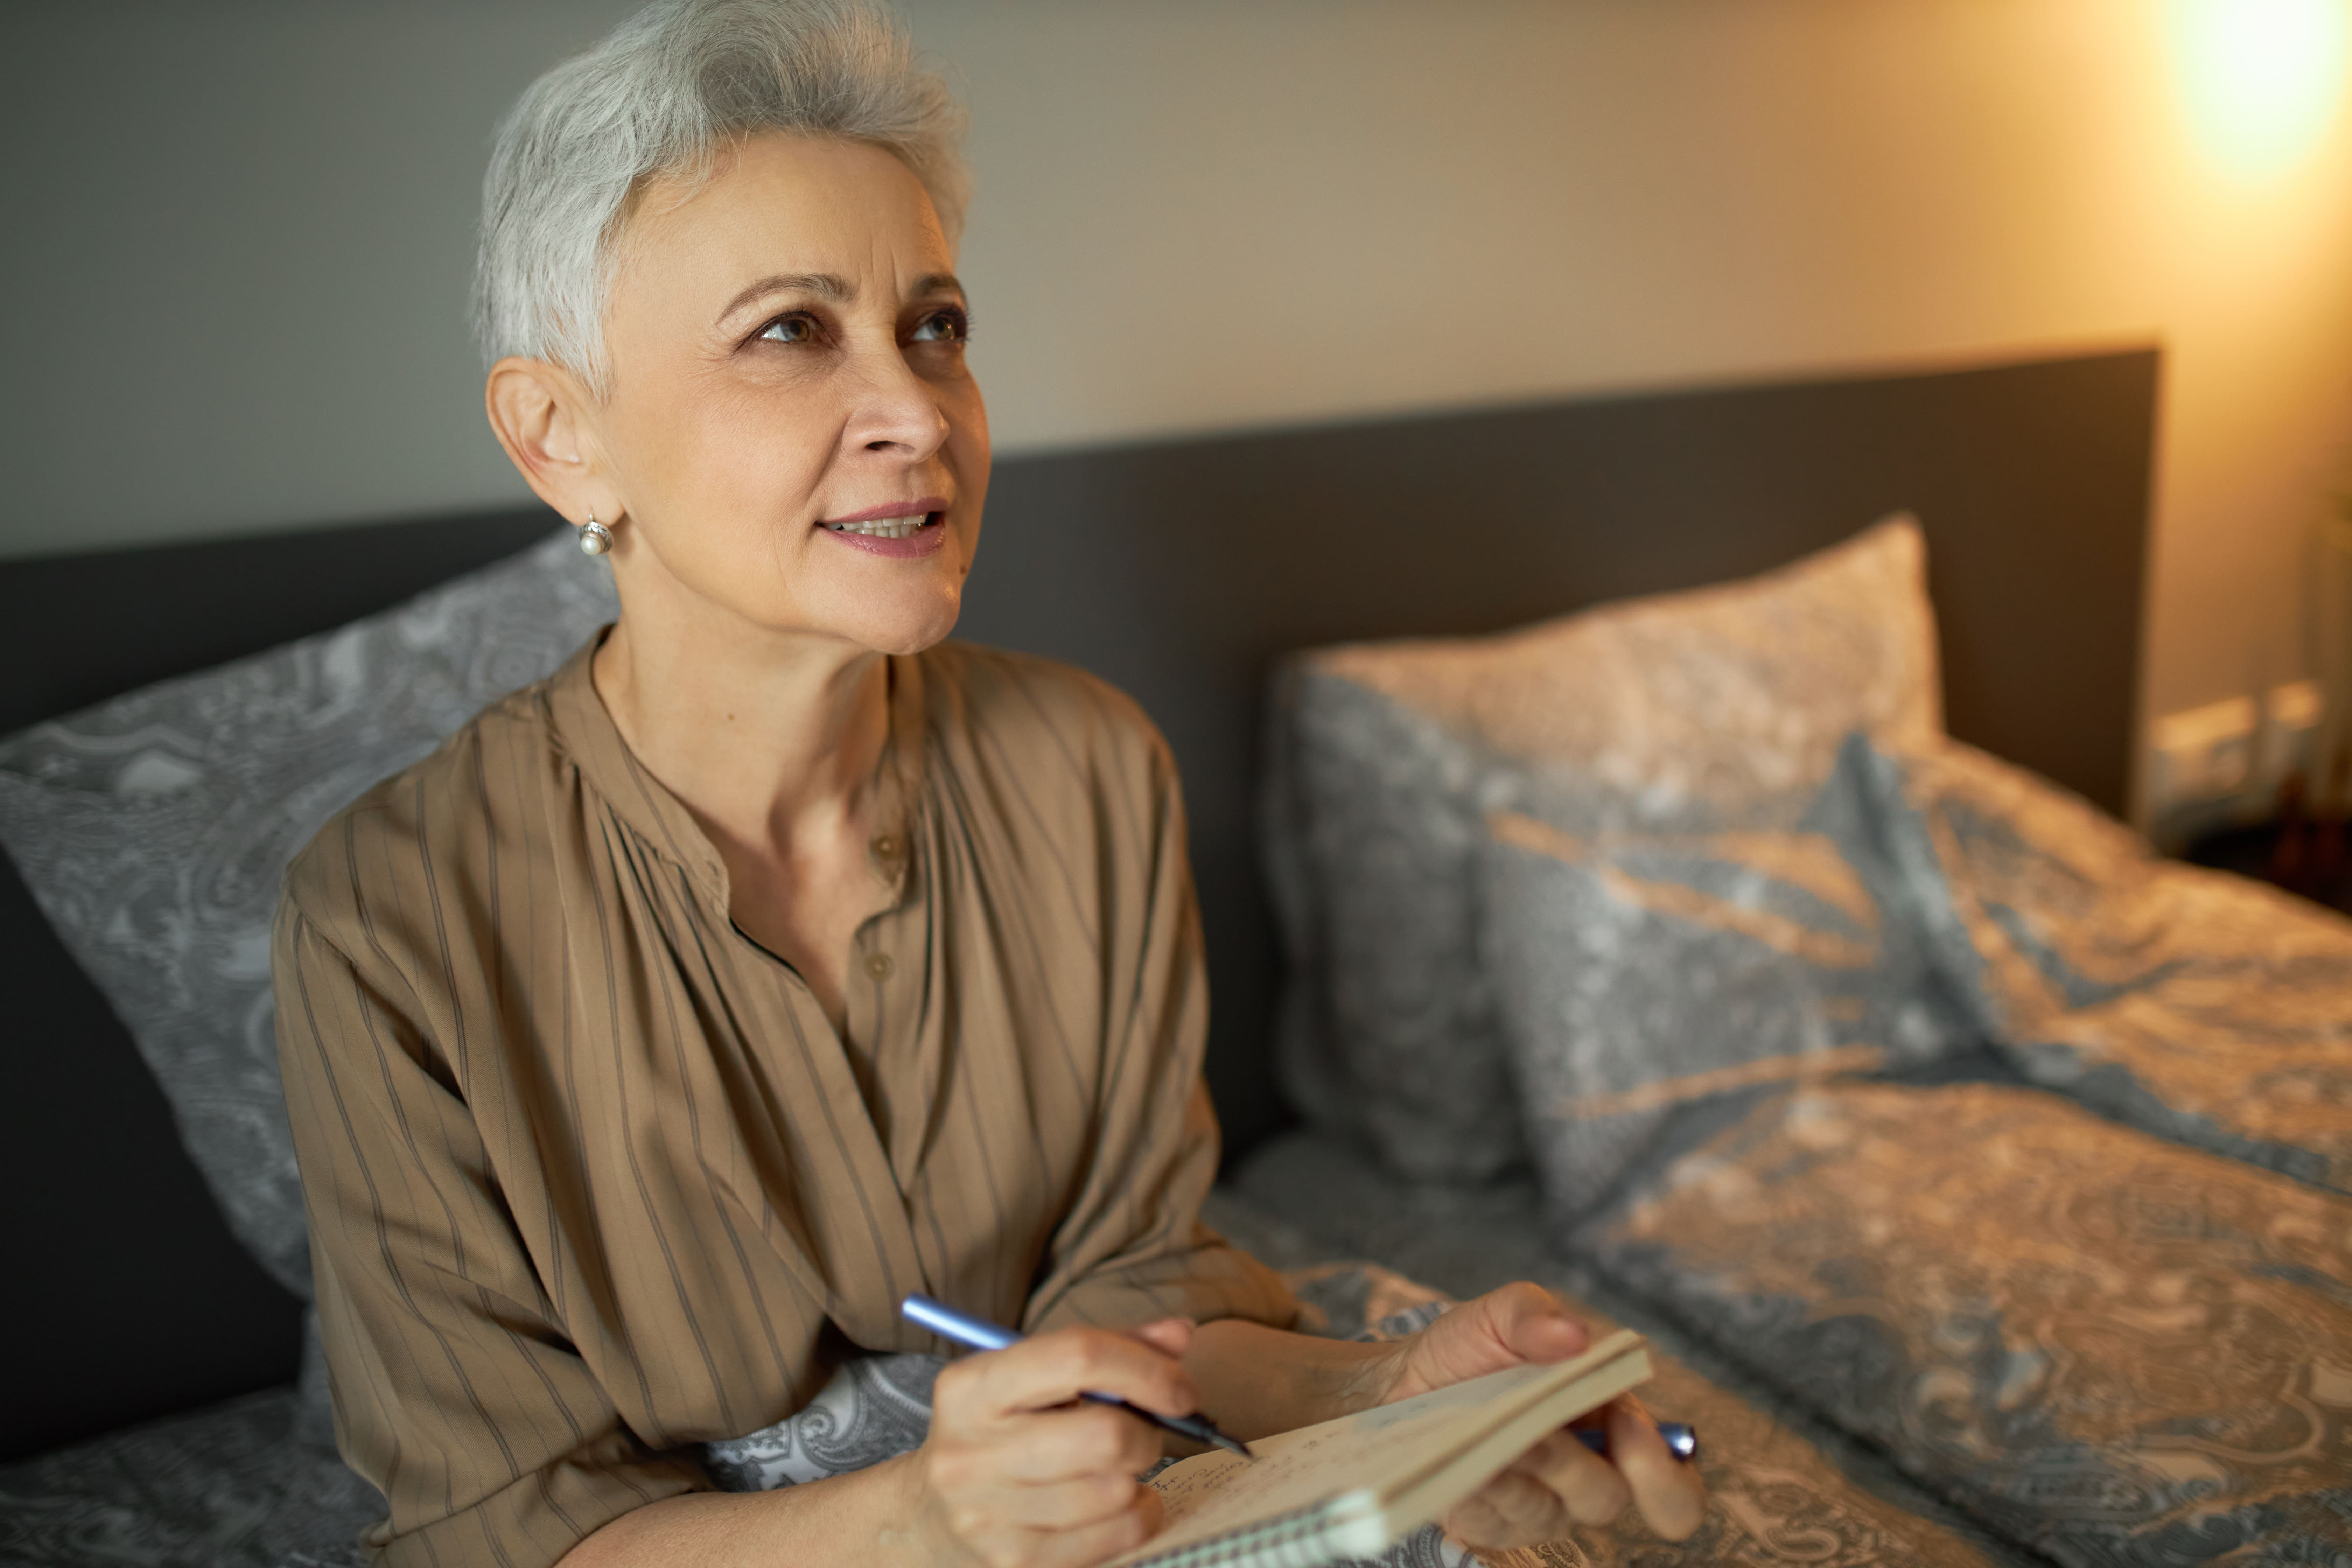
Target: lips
{"points": [[912, 507], [893, 534], [881, 527]]}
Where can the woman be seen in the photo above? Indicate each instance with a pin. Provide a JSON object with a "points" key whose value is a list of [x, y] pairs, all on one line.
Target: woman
{"points": [[773, 958]]}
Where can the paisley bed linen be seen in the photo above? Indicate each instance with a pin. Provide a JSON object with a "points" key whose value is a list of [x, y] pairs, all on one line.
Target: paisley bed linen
{"points": [[2107, 1346], [1775, 1507], [233, 1486], [1786, 1489], [2201, 1006], [237, 1486]]}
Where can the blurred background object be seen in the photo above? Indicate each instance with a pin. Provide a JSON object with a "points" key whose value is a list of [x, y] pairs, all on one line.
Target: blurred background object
{"points": [[2286, 824]]}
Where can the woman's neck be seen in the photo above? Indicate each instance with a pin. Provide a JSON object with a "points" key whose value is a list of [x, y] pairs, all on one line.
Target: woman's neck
{"points": [[771, 739]]}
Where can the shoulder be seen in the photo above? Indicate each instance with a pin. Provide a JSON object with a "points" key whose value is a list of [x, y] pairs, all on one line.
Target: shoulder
{"points": [[1059, 765], [1038, 713], [426, 829]]}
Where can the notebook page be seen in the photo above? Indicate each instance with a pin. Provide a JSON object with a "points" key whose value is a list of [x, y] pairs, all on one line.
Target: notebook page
{"points": [[1373, 1451]]}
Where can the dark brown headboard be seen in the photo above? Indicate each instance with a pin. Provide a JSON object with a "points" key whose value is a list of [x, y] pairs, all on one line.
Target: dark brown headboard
{"points": [[1179, 570]]}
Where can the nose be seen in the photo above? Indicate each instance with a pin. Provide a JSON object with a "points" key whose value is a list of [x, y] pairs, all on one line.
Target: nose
{"points": [[896, 412]]}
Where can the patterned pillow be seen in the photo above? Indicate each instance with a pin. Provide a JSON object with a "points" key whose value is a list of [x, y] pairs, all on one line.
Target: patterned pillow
{"points": [[875, 1408], [1640, 975], [2197, 1006], [2110, 1348], [1706, 712], [152, 830]]}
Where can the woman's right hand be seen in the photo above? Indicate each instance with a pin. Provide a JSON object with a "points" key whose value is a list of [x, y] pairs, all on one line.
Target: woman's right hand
{"points": [[1019, 1473]]}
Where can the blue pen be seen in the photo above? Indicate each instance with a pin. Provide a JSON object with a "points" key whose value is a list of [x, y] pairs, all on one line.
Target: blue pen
{"points": [[983, 1335], [1682, 1439]]}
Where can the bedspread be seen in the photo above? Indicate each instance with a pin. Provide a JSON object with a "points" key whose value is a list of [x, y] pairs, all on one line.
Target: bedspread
{"points": [[2109, 1347]]}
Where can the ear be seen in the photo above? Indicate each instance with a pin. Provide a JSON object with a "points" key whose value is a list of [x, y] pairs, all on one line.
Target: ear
{"points": [[543, 416]]}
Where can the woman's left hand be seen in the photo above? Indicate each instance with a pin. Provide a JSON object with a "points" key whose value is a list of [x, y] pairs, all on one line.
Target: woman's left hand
{"points": [[1559, 1483]]}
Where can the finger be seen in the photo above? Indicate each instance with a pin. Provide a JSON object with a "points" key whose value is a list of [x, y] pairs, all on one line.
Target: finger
{"points": [[1536, 1325], [1588, 1488], [1669, 1493], [1506, 1328], [1169, 1336], [1056, 1368], [1512, 1510], [1077, 1440]]}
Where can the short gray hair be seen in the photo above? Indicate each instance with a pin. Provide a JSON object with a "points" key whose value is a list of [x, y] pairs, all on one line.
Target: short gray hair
{"points": [[658, 99]]}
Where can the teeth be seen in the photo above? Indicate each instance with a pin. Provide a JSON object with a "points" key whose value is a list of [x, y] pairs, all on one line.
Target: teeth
{"points": [[882, 527]]}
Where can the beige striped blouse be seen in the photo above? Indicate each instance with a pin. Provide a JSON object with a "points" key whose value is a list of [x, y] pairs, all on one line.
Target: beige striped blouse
{"points": [[591, 1177]]}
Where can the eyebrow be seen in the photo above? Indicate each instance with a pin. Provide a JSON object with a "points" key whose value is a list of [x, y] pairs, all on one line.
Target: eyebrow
{"points": [[825, 286]]}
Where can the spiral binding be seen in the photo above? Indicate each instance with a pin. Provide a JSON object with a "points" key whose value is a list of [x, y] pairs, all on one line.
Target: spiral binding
{"points": [[1299, 1539]]}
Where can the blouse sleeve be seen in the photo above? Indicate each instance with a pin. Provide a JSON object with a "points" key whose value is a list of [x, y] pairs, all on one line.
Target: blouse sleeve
{"points": [[1132, 1247], [456, 1390]]}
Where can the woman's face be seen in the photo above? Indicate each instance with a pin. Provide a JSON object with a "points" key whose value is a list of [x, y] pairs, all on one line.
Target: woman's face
{"points": [[792, 429]]}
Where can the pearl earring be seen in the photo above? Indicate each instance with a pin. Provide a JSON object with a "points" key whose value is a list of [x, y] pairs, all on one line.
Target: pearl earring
{"points": [[594, 537]]}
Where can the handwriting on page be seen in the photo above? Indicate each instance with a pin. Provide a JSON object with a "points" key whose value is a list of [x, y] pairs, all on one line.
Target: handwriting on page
{"points": [[1212, 1493]]}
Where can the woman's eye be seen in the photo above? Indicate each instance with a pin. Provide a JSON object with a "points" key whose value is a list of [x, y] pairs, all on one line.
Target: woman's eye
{"points": [[787, 330], [943, 327]]}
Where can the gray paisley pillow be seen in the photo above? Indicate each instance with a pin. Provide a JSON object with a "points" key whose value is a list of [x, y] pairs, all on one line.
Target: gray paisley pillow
{"points": [[875, 1408], [1640, 976], [2198, 1006], [1705, 710], [152, 830]]}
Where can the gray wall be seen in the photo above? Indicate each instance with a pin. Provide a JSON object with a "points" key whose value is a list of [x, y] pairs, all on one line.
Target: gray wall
{"points": [[236, 235], [236, 263]]}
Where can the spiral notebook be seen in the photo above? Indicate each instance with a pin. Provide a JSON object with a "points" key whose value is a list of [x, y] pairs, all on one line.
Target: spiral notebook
{"points": [[1352, 1488]]}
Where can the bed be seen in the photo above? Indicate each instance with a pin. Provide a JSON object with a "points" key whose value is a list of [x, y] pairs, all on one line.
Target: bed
{"points": [[2037, 1252]]}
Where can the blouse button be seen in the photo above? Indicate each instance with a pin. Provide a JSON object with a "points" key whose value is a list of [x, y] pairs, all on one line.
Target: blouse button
{"points": [[878, 965]]}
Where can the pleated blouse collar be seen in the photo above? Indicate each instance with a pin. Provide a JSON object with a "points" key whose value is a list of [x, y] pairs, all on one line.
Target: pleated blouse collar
{"points": [[584, 727]]}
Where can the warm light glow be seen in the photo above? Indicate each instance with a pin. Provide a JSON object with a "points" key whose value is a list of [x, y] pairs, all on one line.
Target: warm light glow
{"points": [[2262, 78]]}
